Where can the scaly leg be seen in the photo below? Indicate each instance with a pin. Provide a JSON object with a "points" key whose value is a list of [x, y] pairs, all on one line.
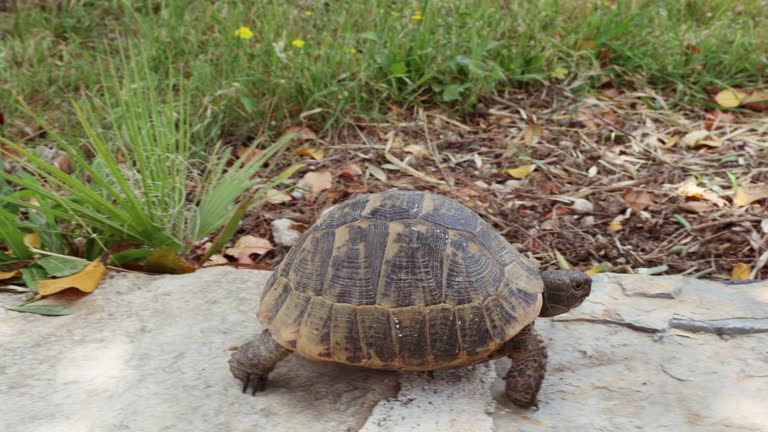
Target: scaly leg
{"points": [[529, 363], [252, 362]]}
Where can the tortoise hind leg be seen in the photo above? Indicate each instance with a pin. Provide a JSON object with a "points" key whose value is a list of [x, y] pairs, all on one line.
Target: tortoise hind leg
{"points": [[529, 363], [252, 362]]}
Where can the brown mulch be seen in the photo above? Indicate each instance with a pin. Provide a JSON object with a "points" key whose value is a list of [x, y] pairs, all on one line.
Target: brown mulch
{"points": [[612, 183]]}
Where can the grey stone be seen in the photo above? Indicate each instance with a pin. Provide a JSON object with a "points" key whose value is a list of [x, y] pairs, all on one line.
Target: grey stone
{"points": [[149, 353], [662, 287]]}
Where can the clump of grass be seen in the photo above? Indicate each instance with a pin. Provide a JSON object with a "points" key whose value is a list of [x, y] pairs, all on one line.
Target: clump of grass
{"points": [[137, 179]]}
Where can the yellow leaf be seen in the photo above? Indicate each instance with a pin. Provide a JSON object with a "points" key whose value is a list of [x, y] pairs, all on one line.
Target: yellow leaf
{"points": [[745, 196], [692, 138], [741, 271], [690, 189], [32, 240], [277, 197], [520, 172], [314, 153], [8, 275], [600, 268], [86, 280], [730, 98], [318, 181], [417, 150], [616, 224], [164, 260]]}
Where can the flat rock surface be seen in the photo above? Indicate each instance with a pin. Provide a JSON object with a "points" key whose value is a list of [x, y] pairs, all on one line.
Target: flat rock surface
{"points": [[149, 353]]}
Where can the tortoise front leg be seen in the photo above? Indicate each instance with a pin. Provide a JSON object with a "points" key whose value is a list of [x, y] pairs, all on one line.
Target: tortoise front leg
{"points": [[252, 362], [529, 363]]}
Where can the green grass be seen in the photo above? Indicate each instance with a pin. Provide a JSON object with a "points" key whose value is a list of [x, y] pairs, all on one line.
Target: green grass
{"points": [[359, 55]]}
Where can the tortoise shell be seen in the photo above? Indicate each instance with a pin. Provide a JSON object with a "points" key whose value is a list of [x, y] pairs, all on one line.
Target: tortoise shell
{"points": [[400, 280]]}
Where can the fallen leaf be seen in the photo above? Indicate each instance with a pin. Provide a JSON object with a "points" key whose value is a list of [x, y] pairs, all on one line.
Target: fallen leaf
{"points": [[616, 224], [716, 119], [730, 98], [532, 133], [376, 172], [610, 93], [693, 48], [86, 280], [697, 207], [32, 240], [691, 189], [315, 153], [164, 260], [561, 261], [247, 153], [745, 196], [247, 245], [301, 132], [741, 271], [417, 150], [520, 172], [317, 182], [8, 275], [62, 162], [48, 310], [638, 200], [599, 268], [350, 170], [277, 197], [714, 199], [587, 44], [692, 138], [216, 259]]}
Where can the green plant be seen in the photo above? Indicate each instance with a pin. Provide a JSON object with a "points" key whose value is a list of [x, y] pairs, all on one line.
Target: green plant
{"points": [[137, 179]]}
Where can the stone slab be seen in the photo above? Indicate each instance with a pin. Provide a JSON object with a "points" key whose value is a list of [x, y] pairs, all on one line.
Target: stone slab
{"points": [[149, 353]]}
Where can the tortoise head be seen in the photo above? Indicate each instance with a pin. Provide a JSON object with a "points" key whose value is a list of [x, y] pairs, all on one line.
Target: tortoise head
{"points": [[563, 291]]}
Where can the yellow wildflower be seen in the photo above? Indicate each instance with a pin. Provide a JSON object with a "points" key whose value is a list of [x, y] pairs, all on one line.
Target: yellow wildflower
{"points": [[350, 50], [394, 13], [417, 16], [308, 13], [244, 33], [298, 43]]}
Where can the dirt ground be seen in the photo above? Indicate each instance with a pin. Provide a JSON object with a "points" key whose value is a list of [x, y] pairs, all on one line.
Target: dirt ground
{"points": [[619, 180]]}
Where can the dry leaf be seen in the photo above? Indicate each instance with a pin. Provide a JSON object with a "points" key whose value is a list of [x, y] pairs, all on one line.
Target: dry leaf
{"points": [[716, 119], [690, 189], [638, 200], [741, 271], [247, 153], [318, 181], [302, 132], [247, 245], [610, 93], [8, 275], [520, 172], [532, 133], [745, 196], [616, 224], [377, 172], [315, 153], [85, 280], [216, 259], [62, 162], [697, 207], [417, 150], [350, 170], [32, 240], [730, 98], [693, 138], [164, 260], [277, 197]]}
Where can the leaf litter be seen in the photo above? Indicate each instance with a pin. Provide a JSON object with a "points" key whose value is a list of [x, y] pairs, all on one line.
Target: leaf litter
{"points": [[606, 183]]}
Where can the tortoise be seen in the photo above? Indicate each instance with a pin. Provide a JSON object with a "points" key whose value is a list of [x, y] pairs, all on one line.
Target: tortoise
{"points": [[409, 281]]}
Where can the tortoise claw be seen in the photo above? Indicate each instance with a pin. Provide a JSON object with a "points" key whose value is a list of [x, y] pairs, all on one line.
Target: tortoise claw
{"points": [[255, 382]]}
